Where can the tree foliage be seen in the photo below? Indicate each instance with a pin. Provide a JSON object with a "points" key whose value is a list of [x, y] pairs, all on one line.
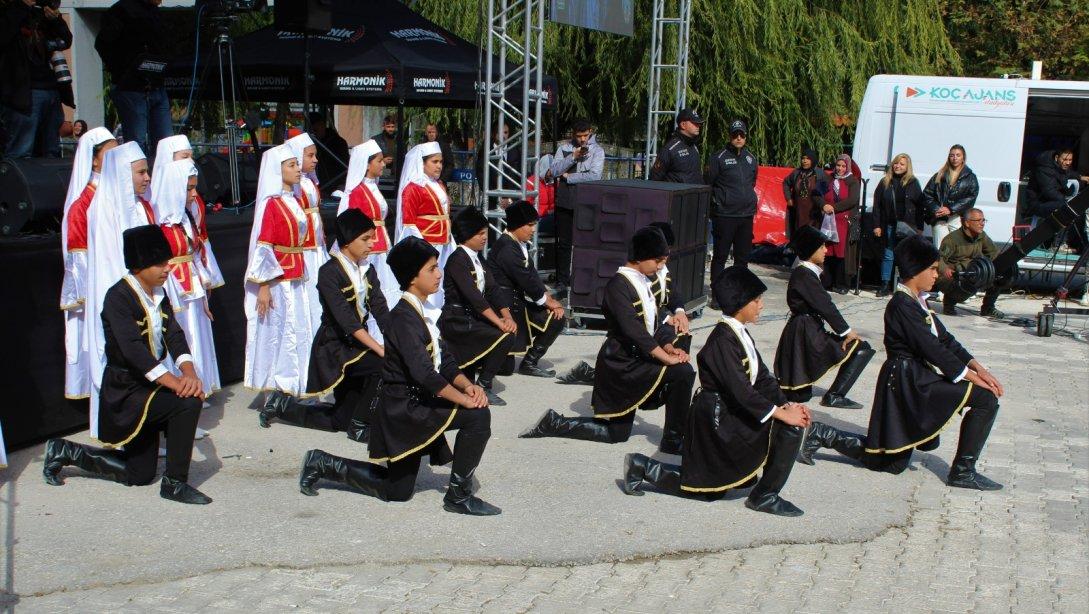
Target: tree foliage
{"points": [[1005, 36], [796, 70]]}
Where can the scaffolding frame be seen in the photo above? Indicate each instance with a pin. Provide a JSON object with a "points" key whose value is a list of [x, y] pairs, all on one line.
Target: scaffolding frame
{"points": [[514, 71], [666, 23]]}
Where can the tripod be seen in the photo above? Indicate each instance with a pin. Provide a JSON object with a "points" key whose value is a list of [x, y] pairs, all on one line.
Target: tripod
{"points": [[225, 49]]}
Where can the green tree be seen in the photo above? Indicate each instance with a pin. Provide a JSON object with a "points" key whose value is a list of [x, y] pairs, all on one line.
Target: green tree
{"points": [[1005, 36], [796, 70]]}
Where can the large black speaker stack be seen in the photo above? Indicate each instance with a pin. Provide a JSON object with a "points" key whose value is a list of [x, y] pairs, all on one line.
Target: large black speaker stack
{"points": [[32, 194], [214, 177], [607, 214]]}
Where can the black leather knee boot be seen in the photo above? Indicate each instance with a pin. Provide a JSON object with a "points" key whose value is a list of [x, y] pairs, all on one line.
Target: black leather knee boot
{"points": [[974, 430], [639, 468], [765, 495], [553, 424], [823, 436], [848, 374], [109, 464]]}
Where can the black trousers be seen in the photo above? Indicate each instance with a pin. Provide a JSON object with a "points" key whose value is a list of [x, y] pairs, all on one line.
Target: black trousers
{"points": [[353, 398], [730, 233], [474, 429], [175, 416], [676, 392], [486, 368]]}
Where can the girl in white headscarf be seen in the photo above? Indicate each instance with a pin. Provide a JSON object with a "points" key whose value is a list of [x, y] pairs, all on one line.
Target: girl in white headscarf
{"points": [[361, 184], [279, 321], [115, 208], [316, 250], [174, 185], [172, 149], [423, 207], [86, 169]]}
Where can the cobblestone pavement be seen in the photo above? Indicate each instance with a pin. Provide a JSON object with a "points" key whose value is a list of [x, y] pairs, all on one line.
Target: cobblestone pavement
{"points": [[1023, 549]]}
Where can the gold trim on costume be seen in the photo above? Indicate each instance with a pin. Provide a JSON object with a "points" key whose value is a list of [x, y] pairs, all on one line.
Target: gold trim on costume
{"points": [[485, 352], [343, 374], [77, 397], [288, 250], [393, 459], [936, 433], [854, 346], [139, 425]]}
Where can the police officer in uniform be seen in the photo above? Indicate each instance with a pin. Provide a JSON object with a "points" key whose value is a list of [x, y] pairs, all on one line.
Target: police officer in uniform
{"points": [[678, 158], [732, 176]]}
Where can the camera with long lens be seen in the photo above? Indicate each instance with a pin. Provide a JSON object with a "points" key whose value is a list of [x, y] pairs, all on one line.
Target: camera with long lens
{"points": [[59, 64]]}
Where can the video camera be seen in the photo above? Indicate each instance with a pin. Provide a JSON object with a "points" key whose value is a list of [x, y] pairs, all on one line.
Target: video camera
{"points": [[982, 273]]}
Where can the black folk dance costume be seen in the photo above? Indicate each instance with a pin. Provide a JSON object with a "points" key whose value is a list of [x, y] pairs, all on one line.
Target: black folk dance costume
{"points": [[920, 390], [479, 346], [626, 376], [731, 434], [807, 350], [142, 341], [410, 419], [509, 262], [349, 293], [669, 306]]}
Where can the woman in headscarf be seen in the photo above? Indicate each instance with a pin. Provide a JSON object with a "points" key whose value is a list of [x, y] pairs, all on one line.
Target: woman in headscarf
{"points": [[315, 250], [172, 149], [279, 321], [174, 186], [86, 170], [802, 189], [115, 208], [897, 208], [365, 166], [423, 207], [841, 200]]}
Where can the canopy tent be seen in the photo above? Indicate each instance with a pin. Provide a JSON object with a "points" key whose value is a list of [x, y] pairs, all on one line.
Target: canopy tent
{"points": [[378, 53]]}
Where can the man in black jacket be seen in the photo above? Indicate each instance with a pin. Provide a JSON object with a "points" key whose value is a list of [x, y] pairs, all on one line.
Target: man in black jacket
{"points": [[30, 103], [732, 176], [134, 46], [1052, 184], [678, 159]]}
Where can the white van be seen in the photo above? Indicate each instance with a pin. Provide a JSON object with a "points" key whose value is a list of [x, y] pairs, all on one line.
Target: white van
{"points": [[1003, 124]]}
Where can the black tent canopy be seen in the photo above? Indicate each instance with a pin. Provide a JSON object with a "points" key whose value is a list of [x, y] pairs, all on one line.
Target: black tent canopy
{"points": [[378, 52]]}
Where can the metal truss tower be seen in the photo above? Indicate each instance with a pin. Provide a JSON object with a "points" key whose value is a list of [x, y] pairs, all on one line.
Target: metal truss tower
{"points": [[514, 66], [668, 62]]}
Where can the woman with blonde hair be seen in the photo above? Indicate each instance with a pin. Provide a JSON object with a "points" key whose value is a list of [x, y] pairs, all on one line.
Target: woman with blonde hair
{"points": [[897, 212], [949, 193]]}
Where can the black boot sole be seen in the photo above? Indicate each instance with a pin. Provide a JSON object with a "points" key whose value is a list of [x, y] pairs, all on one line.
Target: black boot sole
{"points": [[841, 403], [776, 510]]}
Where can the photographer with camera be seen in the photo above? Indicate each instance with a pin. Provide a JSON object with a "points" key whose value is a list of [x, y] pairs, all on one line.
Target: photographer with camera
{"points": [[959, 248], [577, 160], [31, 34], [133, 44]]}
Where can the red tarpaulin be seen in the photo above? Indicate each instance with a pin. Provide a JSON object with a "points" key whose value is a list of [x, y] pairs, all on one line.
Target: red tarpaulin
{"points": [[769, 227]]}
